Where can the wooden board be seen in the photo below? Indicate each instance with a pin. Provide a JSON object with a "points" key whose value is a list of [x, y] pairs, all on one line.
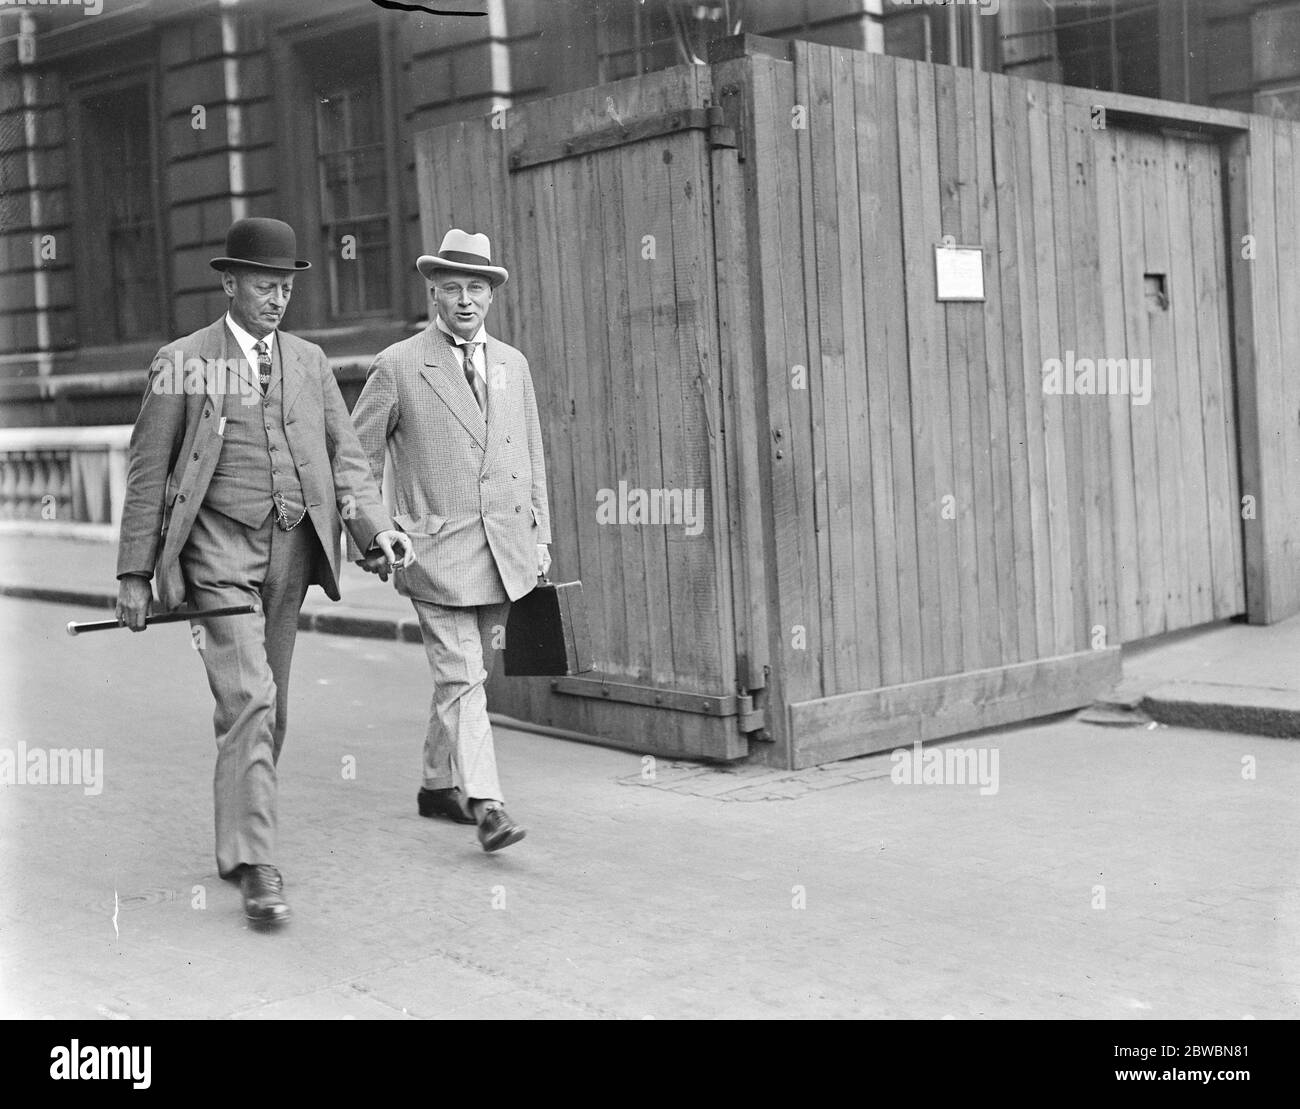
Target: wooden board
{"points": [[855, 724]]}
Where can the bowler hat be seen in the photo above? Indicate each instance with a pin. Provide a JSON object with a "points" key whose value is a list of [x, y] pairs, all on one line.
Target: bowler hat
{"points": [[268, 244], [463, 251]]}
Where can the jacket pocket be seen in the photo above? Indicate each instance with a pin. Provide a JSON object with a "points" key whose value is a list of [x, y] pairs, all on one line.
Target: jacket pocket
{"points": [[419, 524]]}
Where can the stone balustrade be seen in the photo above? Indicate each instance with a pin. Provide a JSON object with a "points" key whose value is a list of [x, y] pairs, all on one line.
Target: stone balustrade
{"points": [[66, 474]]}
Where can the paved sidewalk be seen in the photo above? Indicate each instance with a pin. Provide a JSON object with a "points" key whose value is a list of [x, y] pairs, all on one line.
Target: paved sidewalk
{"points": [[1143, 872]]}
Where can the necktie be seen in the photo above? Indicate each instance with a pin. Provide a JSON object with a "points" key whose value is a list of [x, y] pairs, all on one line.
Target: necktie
{"points": [[263, 364], [475, 382]]}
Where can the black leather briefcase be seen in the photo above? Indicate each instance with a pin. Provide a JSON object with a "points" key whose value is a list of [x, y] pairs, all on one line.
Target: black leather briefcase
{"points": [[546, 632]]}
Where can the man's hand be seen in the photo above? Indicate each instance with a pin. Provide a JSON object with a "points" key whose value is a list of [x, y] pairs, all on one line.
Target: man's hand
{"points": [[543, 560], [375, 564], [390, 542], [134, 601]]}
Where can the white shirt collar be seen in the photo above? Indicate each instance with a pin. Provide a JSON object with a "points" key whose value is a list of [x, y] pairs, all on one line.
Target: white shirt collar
{"points": [[246, 341]]}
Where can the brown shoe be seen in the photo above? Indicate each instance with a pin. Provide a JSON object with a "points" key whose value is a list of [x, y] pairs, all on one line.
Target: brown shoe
{"points": [[496, 830], [445, 803], [263, 891]]}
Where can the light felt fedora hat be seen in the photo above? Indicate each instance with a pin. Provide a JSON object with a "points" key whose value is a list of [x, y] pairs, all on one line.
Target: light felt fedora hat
{"points": [[465, 252], [268, 244]]}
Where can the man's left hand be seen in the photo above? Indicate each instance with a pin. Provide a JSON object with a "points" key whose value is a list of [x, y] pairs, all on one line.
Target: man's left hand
{"points": [[375, 564], [543, 560], [390, 543]]}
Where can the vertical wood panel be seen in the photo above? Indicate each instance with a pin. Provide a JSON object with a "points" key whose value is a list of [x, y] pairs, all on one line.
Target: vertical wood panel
{"points": [[1288, 314], [1126, 620], [798, 634], [1026, 119], [1095, 544], [1223, 519], [1165, 385], [826, 378], [1142, 423], [1007, 113], [894, 522], [957, 518], [923, 358], [811, 401], [984, 643], [1071, 627], [1191, 365], [1047, 170], [858, 460], [1001, 576]]}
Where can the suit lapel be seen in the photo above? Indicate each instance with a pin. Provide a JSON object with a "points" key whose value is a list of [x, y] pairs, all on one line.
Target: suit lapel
{"points": [[214, 350], [442, 370], [498, 393], [292, 371]]}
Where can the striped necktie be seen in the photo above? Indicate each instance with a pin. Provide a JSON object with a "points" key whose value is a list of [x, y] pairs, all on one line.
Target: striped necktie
{"points": [[471, 375], [263, 364]]}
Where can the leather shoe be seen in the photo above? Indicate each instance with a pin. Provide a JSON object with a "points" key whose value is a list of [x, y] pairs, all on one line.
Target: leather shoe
{"points": [[445, 803], [263, 888], [496, 830]]}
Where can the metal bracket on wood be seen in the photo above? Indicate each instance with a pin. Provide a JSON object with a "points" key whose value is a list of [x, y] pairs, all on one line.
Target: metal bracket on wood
{"points": [[739, 705], [708, 119]]}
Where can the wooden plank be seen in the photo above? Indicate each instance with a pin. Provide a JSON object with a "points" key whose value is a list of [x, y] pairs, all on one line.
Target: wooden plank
{"points": [[807, 612], [586, 414], [957, 515], [743, 401], [983, 643], [1001, 574], [1126, 620], [1028, 151], [1287, 227], [892, 522], [699, 565], [1210, 293], [933, 374], [810, 97], [1150, 556], [1095, 541], [1190, 366], [925, 343], [645, 199], [1045, 170], [776, 193], [621, 245], [823, 206], [1011, 329], [1223, 269], [1072, 605], [859, 476], [1165, 388], [1249, 190], [861, 723]]}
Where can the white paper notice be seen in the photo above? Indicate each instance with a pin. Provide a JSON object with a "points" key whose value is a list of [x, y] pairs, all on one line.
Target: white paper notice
{"points": [[959, 272]]}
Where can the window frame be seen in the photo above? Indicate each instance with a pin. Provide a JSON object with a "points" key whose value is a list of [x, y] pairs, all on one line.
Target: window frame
{"points": [[96, 296], [299, 191]]}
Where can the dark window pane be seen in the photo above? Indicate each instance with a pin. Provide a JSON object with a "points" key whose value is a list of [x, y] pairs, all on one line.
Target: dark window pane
{"points": [[122, 216]]}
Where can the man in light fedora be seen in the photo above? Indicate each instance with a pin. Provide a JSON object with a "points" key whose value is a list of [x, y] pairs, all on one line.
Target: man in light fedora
{"points": [[455, 409], [243, 468]]}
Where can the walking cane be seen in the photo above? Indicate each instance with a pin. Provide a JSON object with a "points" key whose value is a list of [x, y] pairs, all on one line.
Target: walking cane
{"points": [[167, 618]]}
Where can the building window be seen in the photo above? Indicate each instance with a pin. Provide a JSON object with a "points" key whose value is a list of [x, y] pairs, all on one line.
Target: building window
{"points": [[119, 223], [661, 33], [352, 183], [1112, 46]]}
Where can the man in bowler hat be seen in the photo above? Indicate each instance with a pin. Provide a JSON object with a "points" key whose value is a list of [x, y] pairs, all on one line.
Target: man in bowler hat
{"points": [[455, 409], [243, 468]]}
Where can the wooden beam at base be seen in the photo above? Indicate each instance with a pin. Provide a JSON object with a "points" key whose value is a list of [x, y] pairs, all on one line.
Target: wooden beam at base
{"points": [[873, 720]]}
